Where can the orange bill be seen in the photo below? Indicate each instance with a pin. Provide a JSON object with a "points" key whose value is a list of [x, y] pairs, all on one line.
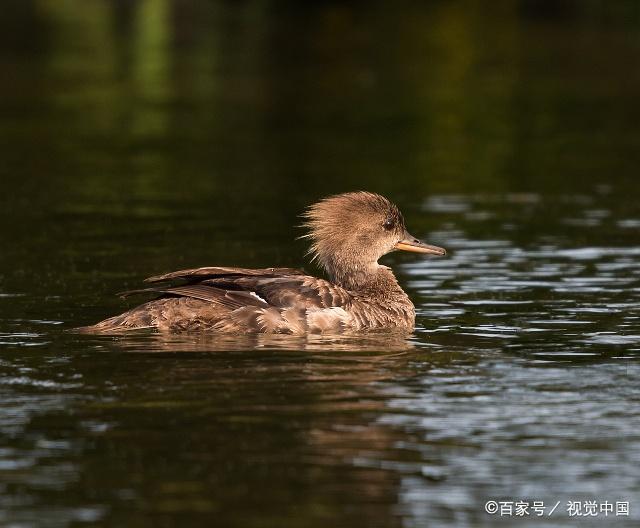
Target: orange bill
{"points": [[413, 244]]}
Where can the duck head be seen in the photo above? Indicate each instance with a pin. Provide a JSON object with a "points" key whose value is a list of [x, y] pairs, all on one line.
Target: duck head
{"points": [[350, 232]]}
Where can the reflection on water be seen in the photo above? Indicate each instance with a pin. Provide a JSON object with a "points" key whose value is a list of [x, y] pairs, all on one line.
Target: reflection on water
{"points": [[211, 343], [541, 296], [143, 137]]}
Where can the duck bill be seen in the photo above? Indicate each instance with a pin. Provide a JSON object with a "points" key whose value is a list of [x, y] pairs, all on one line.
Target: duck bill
{"points": [[410, 243]]}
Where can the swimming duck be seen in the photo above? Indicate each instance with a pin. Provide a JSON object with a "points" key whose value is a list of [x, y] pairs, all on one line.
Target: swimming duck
{"points": [[348, 233]]}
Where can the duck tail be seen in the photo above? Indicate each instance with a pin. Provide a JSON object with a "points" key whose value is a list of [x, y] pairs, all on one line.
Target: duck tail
{"points": [[116, 324]]}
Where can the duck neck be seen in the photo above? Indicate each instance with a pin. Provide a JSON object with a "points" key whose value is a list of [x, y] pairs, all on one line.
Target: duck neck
{"points": [[370, 278]]}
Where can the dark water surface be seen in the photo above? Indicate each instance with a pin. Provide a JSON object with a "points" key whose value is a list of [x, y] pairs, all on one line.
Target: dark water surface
{"points": [[142, 137]]}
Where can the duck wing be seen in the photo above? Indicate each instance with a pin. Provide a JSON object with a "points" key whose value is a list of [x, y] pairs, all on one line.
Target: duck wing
{"points": [[235, 288], [236, 300], [197, 274]]}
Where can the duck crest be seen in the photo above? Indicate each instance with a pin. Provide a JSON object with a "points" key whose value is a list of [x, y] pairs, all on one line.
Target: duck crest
{"points": [[349, 232]]}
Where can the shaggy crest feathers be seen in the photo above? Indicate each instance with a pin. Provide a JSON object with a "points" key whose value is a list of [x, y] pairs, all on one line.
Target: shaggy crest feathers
{"points": [[348, 231]]}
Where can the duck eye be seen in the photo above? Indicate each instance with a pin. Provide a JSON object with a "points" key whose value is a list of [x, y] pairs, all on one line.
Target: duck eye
{"points": [[389, 224]]}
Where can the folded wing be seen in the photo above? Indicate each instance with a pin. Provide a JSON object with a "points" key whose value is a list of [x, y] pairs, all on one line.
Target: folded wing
{"points": [[235, 288]]}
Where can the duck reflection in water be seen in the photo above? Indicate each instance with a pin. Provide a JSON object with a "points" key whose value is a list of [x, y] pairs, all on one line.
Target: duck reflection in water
{"points": [[375, 342], [348, 233]]}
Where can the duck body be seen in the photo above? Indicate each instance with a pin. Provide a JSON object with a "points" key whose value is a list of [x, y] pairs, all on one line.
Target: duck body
{"points": [[271, 300], [349, 233]]}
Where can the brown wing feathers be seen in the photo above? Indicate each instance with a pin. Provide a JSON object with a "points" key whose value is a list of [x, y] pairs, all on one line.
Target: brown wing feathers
{"points": [[202, 273], [259, 288], [231, 299]]}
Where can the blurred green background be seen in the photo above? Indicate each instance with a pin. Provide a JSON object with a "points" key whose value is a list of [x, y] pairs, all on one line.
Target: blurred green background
{"points": [[129, 112]]}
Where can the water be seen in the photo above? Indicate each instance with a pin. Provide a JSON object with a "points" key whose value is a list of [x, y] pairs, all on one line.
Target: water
{"points": [[144, 137]]}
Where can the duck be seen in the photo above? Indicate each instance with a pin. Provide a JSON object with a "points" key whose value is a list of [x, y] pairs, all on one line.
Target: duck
{"points": [[348, 234]]}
